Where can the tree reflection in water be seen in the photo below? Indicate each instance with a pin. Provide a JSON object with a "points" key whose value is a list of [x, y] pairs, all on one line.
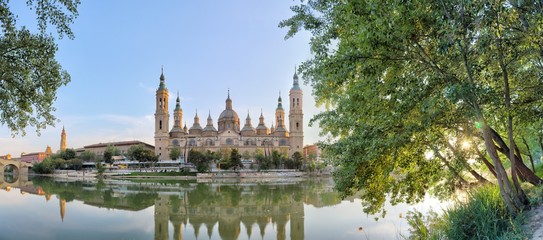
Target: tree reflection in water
{"points": [[188, 203]]}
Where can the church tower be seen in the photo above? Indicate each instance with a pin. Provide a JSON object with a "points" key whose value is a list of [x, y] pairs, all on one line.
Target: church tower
{"points": [[162, 119], [63, 140], [296, 117]]}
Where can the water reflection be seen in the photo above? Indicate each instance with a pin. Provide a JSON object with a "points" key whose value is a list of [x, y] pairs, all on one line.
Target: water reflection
{"points": [[188, 209]]}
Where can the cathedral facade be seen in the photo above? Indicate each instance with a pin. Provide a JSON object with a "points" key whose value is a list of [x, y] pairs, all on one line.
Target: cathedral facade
{"points": [[229, 134]]}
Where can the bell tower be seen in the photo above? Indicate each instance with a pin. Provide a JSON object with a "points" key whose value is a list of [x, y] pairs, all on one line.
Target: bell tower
{"points": [[63, 140], [162, 119], [296, 117]]}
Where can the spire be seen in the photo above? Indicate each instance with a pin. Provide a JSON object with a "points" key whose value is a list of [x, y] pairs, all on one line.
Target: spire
{"points": [[228, 101], [162, 74], [261, 129], [196, 126], [63, 139], [279, 102], [162, 85], [261, 118], [209, 126], [62, 203], [177, 102], [196, 118], [248, 124], [295, 83]]}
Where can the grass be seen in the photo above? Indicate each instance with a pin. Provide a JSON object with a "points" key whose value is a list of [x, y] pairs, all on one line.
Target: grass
{"points": [[482, 216]]}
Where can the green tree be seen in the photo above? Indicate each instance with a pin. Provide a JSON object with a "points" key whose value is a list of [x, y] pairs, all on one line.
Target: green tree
{"points": [[88, 156], [201, 160], [76, 164], [276, 159], [297, 160], [400, 80], [68, 154], [109, 153], [47, 166], [140, 154], [235, 159], [100, 169], [175, 153], [30, 74], [136, 152], [246, 155]]}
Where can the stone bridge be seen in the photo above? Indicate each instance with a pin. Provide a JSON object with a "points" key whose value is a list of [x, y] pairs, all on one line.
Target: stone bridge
{"points": [[8, 181], [13, 179]]}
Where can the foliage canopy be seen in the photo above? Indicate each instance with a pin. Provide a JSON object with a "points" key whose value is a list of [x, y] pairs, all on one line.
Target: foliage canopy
{"points": [[406, 83], [29, 73]]}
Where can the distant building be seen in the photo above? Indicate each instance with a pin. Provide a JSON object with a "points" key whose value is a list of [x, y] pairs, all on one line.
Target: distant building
{"points": [[229, 133], [311, 151], [123, 147], [6, 157], [63, 140], [35, 157]]}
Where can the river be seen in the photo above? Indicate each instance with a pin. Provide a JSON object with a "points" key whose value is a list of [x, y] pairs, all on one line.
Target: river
{"points": [[296, 208]]}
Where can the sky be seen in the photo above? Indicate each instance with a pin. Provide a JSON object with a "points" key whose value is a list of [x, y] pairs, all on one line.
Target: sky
{"points": [[205, 47]]}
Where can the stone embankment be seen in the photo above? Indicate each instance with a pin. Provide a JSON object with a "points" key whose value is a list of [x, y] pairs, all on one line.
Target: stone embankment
{"points": [[274, 174], [243, 174]]}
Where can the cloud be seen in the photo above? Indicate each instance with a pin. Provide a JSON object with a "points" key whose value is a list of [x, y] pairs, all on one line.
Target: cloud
{"points": [[147, 88]]}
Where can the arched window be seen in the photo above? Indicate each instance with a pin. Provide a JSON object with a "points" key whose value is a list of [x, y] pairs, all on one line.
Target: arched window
{"points": [[192, 142], [210, 142], [175, 142], [297, 125], [266, 142], [160, 124], [229, 141], [250, 142], [282, 142]]}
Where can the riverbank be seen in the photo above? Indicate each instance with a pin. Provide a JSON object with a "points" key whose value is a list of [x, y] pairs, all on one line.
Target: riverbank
{"points": [[151, 175], [534, 224]]}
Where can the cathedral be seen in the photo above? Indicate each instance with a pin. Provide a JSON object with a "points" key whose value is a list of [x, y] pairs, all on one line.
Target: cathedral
{"points": [[229, 134]]}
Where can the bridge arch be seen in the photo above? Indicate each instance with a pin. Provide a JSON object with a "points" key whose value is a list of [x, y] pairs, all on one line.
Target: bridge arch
{"points": [[13, 167], [10, 172]]}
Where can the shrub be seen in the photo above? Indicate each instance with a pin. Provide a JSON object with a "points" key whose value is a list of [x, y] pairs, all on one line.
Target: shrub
{"points": [[482, 216]]}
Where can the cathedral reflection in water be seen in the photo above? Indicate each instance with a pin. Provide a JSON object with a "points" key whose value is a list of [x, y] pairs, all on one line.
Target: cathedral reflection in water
{"points": [[236, 210]]}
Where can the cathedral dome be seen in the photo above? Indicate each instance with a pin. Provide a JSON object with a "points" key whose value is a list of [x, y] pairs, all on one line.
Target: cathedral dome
{"points": [[229, 114], [228, 120]]}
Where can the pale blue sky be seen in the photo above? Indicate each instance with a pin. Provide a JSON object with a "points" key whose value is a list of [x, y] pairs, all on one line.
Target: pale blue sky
{"points": [[206, 47]]}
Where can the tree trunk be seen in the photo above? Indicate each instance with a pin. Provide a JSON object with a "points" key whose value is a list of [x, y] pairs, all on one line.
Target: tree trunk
{"points": [[522, 169], [508, 195], [503, 180], [486, 162], [529, 153], [521, 196], [453, 170], [466, 164]]}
